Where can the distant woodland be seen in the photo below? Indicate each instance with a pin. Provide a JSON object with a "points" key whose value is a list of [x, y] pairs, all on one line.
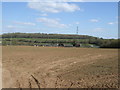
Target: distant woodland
{"points": [[66, 40]]}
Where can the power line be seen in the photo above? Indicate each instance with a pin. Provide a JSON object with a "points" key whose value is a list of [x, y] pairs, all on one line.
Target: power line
{"points": [[77, 30]]}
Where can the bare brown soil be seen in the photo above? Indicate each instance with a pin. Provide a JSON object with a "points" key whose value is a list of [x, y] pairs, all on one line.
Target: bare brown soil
{"points": [[52, 67]]}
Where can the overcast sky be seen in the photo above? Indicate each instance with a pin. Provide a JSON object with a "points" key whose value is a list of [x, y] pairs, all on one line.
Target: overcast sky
{"points": [[93, 18]]}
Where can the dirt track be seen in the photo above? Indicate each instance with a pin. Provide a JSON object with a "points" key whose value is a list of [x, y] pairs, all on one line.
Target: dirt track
{"points": [[49, 67]]}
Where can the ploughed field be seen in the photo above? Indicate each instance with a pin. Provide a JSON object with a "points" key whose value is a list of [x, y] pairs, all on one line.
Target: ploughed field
{"points": [[53, 67]]}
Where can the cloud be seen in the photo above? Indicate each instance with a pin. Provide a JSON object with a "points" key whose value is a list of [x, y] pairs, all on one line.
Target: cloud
{"points": [[69, 24], [10, 26], [77, 23], [51, 22], [25, 23], [56, 0], [43, 14], [94, 20], [60, 0], [98, 29], [53, 7], [13, 27], [111, 23]]}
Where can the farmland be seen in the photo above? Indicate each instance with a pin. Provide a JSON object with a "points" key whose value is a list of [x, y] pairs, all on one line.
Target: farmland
{"points": [[59, 67]]}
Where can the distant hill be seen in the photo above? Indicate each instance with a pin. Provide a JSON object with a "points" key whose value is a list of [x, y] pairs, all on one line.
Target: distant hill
{"points": [[42, 39]]}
